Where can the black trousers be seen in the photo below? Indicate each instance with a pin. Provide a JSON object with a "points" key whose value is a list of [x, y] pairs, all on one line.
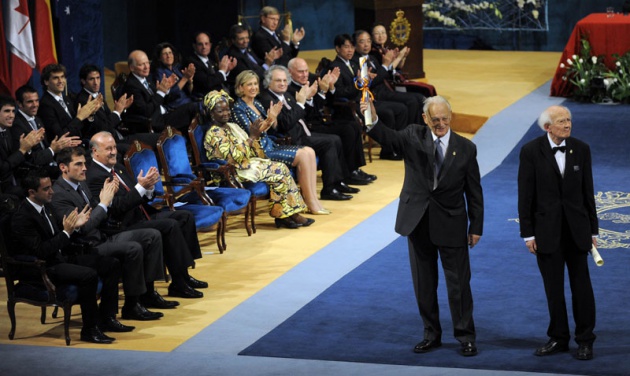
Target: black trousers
{"points": [[351, 141], [412, 101], [551, 266], [329, 149], [178, 118], [423, 258]]}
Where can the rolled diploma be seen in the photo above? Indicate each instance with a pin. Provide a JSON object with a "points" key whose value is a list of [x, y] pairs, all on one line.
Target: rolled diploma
{"points": [[367, 115], [599, 261]]}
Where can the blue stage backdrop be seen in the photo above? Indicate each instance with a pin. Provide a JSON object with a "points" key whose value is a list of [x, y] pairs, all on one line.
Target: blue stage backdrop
{"points": [[370, 314]]}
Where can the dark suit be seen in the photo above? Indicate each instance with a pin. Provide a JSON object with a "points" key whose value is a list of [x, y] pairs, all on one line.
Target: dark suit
{"points": [[10, 160], [327, 147], [33, 236], [106, 120], [392, 114], [139, 251], [348, 131], [438, 220], [179, 234], [147, 104], [56, 120], [244, 62], [559, 211], [206, 79], [263, 42]]}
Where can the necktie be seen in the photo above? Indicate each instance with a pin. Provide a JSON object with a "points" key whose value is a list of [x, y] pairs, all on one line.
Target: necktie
{"points": [[439, 156], [350, 67], [65, 107], [146, 85], [252, 58], [558, 148], [275, 36], [301, 121], [144, 211], [33, 125], [82, 194], [43, 214]]}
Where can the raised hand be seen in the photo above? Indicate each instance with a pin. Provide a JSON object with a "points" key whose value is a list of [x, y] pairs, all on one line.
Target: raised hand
{"points": [[298, 35], [83, 216], [123, 103], [273, 112], [30, 139], [148, 180], [110, 187], [166, 83], [65, 141], [189, 71]]}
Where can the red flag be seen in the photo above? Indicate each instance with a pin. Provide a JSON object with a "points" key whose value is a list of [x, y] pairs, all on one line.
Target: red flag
{"points": [[5, 79], [45, 52], [20, 38]]}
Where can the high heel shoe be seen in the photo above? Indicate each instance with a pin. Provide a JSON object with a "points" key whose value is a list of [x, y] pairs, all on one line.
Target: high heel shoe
{"points": [[302, 221], [287, 223], [322, 211]]}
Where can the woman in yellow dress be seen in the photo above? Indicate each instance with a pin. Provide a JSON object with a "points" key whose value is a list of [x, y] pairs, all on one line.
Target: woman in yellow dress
{"points": [[226, 140]]}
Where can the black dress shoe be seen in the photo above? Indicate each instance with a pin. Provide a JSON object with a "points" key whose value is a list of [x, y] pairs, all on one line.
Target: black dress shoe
{"points": [[585, 352], [551, 347], [366, 175], [335, 195], [427, 345], [286, 223], [153, 299], [345, 188], [184, 292], [195, 283], [357, 179], [468, 349], [94, 335], [110, 324], [302, 221], [140, 313]]}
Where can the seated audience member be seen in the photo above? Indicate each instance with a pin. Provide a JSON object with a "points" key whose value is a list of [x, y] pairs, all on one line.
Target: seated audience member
{"points": [[105, 119], [58, 111], [291, 121], [248, 109], [166, 62], [138, 251], [36, 232], [226, 140], [130, 210], [266, 38], [246, 59], [149, 100], [382, 74], [392, 114], [347, 130], [380, 49], [26, 120], [12, 157], [208, 76]]}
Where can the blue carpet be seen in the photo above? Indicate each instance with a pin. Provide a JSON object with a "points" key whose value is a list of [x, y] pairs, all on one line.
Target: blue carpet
{"points": [[370, 314]]}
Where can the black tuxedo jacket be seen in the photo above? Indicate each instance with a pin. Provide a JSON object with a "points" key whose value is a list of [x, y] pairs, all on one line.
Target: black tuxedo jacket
{"points": [[56, 120], [145, 104], [33, 236], [344, 88], [313, 110], [10, 159], [263, 42], [546, 198], [455, 206], [206, 78], [104, 119], [40, 154], [243, 62], [125, 206], [288, 120]]}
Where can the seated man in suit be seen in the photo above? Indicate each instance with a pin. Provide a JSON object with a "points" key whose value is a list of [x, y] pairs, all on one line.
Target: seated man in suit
{"points": [[347, 130], [57, 110], [36, 232], [392, 114], [105, 119], [148, 98], [208, 76], [266, 38], [291, 121], [13, 156], [26, 120], [246, 59], [129, 210], [139, 251]]}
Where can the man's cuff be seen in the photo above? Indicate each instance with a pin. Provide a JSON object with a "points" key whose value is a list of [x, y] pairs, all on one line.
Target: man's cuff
{"points": [[374, 122], [225, 74], [529, 238], [141, 190], [103, 206]]}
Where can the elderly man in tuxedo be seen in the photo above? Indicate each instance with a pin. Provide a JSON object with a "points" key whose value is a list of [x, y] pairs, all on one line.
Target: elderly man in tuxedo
{"points": [[441, 213], [558, 222]]}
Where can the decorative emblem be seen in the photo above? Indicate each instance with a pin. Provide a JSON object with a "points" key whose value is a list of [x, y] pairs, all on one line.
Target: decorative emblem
{"points": [[400, 29], [613, 211], [137, 145]]}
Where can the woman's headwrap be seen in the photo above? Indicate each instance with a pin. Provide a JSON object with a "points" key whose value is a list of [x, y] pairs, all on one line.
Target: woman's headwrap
{"points": [[212, 98]]}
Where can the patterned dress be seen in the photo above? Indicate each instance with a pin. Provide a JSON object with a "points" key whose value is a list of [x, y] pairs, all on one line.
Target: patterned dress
{"points": [[244, 116], [230, 143]]}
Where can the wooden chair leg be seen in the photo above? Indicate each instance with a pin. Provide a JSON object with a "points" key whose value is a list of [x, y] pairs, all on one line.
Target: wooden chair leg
{"points": [[223, 229], [67, 312], [253, 213], [11, 310], [42, 319]]}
